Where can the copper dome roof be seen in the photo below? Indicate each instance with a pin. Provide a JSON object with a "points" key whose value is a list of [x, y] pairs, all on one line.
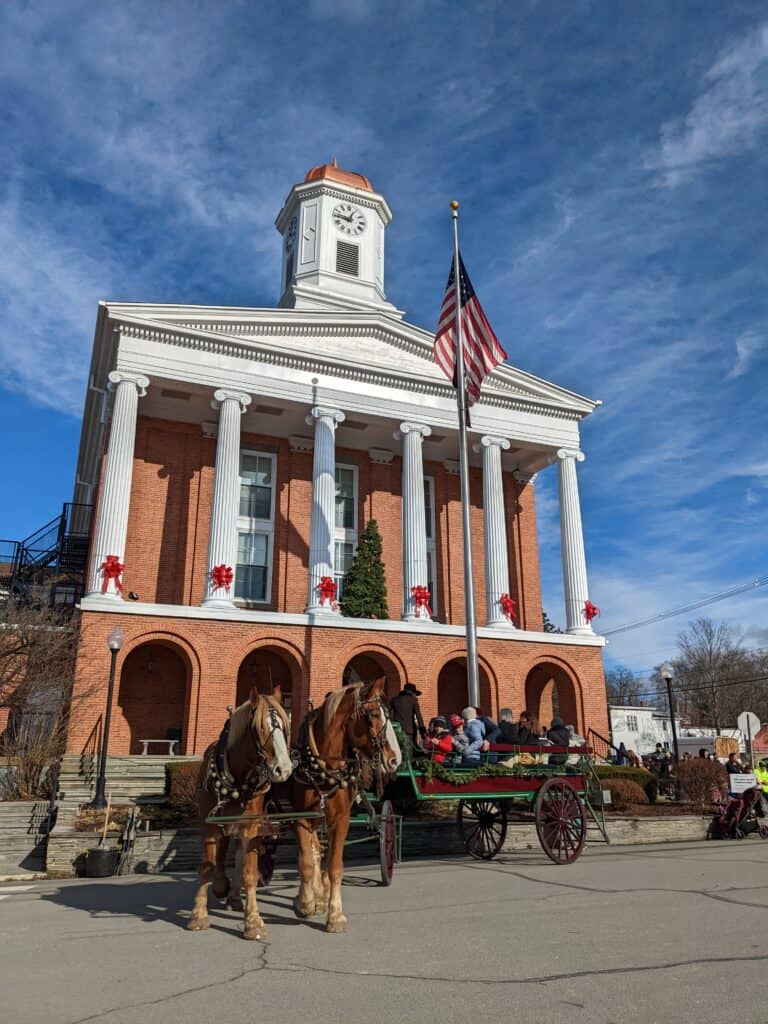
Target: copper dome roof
{"points": [[333, 172]]}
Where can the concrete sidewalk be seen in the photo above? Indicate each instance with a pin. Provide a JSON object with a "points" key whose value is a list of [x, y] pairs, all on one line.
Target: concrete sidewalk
{"points": [[668, 933]]}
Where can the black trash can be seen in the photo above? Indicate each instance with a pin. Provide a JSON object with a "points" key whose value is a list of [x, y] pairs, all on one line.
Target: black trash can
{"points": [[100, 862]]}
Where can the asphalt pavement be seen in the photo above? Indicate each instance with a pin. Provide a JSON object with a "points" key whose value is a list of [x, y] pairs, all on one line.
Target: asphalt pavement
{"points": [[672, 933]]}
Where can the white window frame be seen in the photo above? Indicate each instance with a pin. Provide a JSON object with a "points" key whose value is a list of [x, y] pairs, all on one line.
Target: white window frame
{"points": [[632, 723], [340, 534], [429, 484], [246, 524]]}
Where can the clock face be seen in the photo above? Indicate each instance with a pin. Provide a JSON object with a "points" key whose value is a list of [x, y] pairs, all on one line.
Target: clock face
{"points": [[348, 220], [290, 235]]}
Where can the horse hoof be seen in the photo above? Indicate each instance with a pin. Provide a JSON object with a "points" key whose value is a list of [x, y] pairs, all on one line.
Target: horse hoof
{"points": [[303, 909], [337, 924], [255, 934], [198, 924]]}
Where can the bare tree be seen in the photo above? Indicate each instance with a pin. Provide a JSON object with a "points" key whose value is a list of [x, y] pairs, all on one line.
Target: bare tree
{"points": [[622, 686], [37, 662], [712, 673]]}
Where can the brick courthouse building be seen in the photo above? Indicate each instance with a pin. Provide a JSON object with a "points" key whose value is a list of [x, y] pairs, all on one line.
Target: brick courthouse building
{"points": [[263, 440]]}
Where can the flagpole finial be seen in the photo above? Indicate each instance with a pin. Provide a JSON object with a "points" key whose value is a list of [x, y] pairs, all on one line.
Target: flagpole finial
{"points": [[454, 204]]}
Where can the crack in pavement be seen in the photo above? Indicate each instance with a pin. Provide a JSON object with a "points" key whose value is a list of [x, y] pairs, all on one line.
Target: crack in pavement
{"points": [[536, 980], [261, 965]]}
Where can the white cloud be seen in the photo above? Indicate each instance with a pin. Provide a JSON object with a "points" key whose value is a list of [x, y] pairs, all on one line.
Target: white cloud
{"points": [[727, 116], [748, 347]]}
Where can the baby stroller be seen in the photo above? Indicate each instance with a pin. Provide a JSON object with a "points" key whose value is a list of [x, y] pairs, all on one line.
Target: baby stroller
{"points": [[737, 816]]}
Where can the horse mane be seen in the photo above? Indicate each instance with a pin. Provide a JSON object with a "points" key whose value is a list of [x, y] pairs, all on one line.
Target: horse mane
{"points": [[332, 704]]}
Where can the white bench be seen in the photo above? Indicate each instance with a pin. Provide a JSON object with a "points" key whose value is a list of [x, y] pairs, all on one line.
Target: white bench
{"points": [[169, 743]]}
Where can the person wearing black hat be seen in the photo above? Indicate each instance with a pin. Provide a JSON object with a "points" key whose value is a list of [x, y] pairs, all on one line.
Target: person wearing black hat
{"points": [[407, 713]]}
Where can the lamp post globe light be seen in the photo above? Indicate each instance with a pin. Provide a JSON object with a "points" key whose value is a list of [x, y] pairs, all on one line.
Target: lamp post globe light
{"points": [[115, 641], [667, 674]]}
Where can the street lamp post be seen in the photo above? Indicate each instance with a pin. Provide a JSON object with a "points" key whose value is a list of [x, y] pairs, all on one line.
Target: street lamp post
{"points": [[115, 641], [667, 676]]}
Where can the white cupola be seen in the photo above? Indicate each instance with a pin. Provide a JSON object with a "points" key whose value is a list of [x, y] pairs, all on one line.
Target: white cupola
{"points": [[333, 242]]}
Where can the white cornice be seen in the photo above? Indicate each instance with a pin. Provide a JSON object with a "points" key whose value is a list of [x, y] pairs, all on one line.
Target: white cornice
{"points": [[421, 626], [241, 340]]}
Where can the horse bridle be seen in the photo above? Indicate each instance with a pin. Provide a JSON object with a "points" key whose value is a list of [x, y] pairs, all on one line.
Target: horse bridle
{"points": [[326, 779], [258, 780]]}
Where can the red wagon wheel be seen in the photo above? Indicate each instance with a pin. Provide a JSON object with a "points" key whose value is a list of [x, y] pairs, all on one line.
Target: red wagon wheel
{"points": [[482, 826], [560, 821], [387, 842]]}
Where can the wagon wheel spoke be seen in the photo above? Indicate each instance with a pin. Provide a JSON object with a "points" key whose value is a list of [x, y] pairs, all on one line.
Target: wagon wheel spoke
{"points": [[560, 821]]}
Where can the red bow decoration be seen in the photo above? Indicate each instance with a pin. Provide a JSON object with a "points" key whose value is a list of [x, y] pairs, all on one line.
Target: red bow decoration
{"points": [[222, 577], [327, 588], [590, 611], [508, 606], [421, 600], [112, 568]]}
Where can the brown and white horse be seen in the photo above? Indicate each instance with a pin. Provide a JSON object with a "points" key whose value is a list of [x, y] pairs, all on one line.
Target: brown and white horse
{"points": [[251, 754], [346, 739]]}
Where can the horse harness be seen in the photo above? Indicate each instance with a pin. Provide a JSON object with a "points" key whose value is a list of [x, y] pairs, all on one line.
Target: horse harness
{"points": [[222, 784], [326, 779]]}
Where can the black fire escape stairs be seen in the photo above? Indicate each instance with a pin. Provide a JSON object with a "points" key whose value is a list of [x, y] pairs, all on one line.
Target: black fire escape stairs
{"points": [[48, 568]]}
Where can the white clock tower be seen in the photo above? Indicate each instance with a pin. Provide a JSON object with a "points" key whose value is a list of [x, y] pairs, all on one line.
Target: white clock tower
{"points": [[333, 227]]}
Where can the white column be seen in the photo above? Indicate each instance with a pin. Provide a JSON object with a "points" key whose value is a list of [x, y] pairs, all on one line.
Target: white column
{"points": [[112, 525], [414, 516], [222, 542], [572, 543], [323, 520], [494, 529]]}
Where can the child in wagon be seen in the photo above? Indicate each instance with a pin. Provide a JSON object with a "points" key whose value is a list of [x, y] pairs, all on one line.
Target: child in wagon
{"points": [[438, 739]]}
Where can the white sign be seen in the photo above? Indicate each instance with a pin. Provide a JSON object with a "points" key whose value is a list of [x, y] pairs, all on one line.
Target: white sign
{"points": [[740, 783], [749, 724]]}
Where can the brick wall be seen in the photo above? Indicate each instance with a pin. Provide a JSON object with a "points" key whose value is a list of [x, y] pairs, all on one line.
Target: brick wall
{"points": [[212, 651], [172, 492]]}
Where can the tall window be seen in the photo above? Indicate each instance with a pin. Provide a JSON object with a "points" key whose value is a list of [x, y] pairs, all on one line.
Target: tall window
{"points": [[255, 527], [429, 509], [632, 723], [345, 533]]}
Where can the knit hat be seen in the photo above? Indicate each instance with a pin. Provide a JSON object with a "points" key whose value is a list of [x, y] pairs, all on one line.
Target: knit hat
{"points": [[557, 723], [439, 722], [456, 721], [468, 714]]}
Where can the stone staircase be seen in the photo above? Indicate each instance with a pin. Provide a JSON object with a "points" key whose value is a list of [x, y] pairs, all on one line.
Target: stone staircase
{"points": [[130, 779]]}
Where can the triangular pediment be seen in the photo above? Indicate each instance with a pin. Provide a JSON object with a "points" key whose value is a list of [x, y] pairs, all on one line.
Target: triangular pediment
{"points": [[372, 341]]}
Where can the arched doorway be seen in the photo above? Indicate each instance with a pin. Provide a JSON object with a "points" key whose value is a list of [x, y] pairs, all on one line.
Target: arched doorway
{"points": [[153, 695], [452, 689], [369, 665], [265, 668], [549, 691]]}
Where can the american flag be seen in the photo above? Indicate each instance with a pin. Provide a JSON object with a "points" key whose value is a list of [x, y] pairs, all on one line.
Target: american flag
{"points": [[482, 351]]}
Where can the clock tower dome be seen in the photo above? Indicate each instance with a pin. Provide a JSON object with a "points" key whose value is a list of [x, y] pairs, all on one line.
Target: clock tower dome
{"points": [[333, 227]]}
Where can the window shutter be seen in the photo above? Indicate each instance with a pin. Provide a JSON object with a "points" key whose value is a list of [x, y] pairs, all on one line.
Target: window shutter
{"points": [[347, 259]]}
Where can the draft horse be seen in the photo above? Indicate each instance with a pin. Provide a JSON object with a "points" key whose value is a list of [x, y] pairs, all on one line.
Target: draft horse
{"points": [[237, 771], [343, 745]]}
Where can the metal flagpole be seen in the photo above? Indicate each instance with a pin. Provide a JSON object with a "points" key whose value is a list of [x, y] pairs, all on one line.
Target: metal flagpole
{"points": [[469, 583]]}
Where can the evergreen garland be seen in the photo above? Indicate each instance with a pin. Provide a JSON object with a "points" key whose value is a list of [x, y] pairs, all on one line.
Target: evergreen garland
{"points": [[365, 587], [462, 777]]}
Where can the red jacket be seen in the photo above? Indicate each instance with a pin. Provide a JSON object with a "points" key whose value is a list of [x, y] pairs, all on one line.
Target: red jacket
{"points": [[441, 745]]}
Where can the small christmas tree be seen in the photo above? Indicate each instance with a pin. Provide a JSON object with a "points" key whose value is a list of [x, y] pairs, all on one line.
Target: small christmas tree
{"points": [[365, 588]]}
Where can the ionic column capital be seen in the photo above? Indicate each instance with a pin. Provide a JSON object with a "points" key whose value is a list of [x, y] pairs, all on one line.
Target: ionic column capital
{"points": [[140, 382], [570, 453], [320, 412], [222, 395], [492, 442], [412, 428]]}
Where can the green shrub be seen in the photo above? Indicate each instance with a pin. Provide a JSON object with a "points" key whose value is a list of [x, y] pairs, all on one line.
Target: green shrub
{"points": [[645, 779], [625, 793]]}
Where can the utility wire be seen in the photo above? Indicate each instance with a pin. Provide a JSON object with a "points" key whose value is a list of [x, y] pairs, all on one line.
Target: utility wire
{"points": [[722, 683], [741, 589]]}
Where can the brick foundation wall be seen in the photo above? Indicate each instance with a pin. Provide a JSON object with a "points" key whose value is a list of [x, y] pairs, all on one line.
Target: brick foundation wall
{"points": [[212, 652]]}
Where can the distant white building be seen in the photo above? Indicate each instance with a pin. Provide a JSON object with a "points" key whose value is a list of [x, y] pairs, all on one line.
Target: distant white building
{"points": [[641, 728]]}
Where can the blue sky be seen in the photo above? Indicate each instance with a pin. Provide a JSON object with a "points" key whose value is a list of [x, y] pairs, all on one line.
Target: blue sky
{"points": [[611, 161]]}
